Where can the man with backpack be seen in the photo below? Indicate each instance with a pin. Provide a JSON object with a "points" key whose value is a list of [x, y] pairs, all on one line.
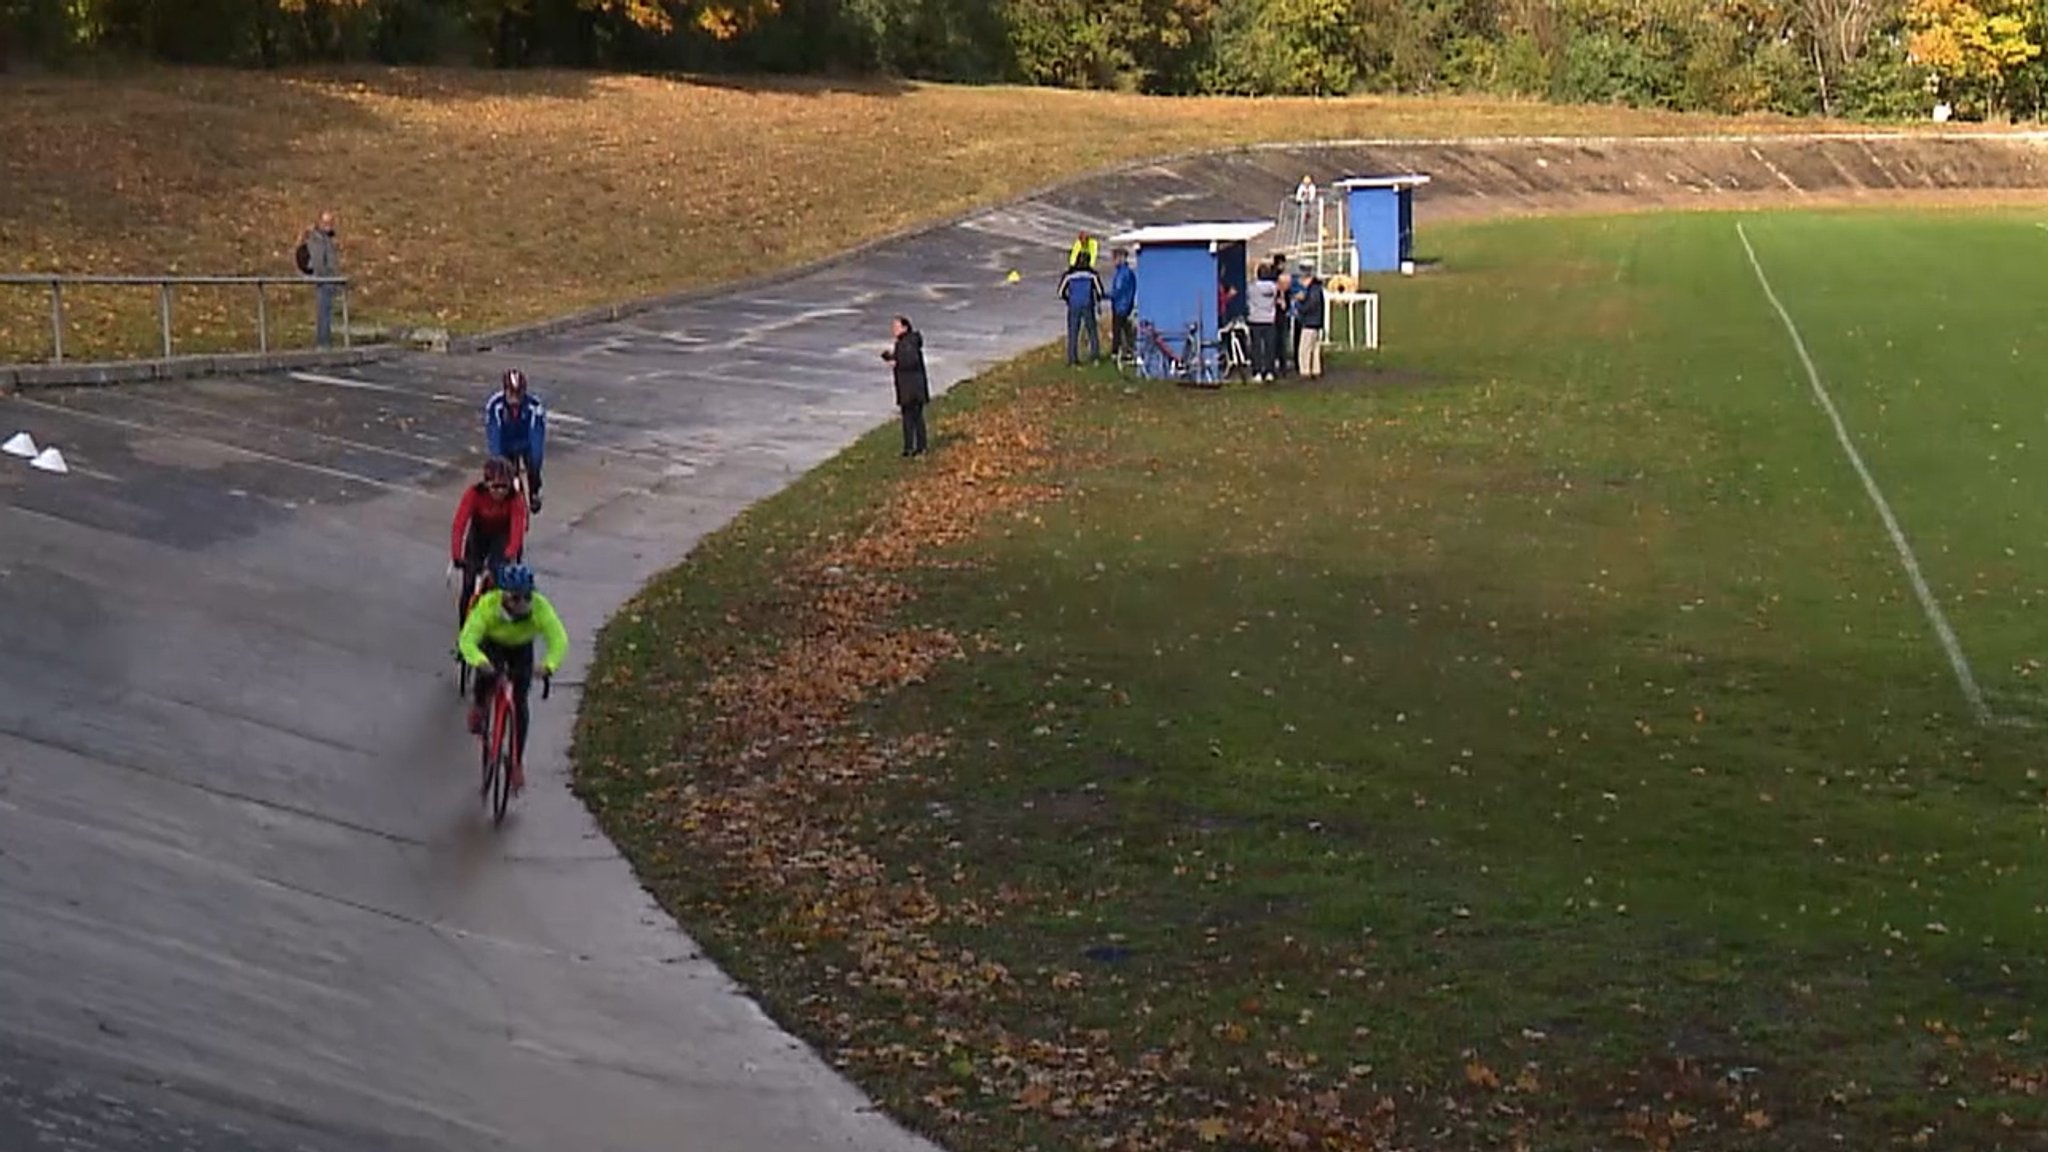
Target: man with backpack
{"points": [[319, 255]]}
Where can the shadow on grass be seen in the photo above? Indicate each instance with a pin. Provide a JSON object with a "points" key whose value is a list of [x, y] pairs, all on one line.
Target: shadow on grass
{"points": [[794, 85], [454, 84]]}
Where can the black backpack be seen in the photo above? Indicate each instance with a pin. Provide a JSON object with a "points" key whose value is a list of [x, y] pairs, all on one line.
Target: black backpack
{"points": [[304, 256]]}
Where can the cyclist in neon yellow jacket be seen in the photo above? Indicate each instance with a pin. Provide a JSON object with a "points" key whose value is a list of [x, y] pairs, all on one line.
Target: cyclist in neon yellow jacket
{"points": [[499, 633]]}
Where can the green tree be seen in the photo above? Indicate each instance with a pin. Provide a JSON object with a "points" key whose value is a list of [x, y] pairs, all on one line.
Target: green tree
{"points": [[1069, 43], [1291, 47], [1838, 33]]}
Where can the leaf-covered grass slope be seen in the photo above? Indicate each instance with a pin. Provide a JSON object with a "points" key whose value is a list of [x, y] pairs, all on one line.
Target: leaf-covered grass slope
{"points": [[1525, 737]]}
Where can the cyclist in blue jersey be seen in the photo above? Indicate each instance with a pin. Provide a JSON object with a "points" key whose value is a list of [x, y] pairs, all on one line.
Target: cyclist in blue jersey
{"points": [[516, 428]]}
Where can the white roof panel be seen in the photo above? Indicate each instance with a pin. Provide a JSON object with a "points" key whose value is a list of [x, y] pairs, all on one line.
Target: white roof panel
{"points": [[1195, 233], [1409, 179]]}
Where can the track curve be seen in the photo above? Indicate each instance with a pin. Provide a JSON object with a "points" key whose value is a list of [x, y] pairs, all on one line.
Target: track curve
{"points": [[248, 900]]}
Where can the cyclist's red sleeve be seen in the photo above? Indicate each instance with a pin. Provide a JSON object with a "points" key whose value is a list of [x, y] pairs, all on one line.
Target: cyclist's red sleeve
{"points": [[515, 537], [462, 514]]}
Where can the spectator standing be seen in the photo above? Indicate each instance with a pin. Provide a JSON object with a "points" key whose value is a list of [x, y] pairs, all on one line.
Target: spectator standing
{"points": [[913, 387], [1123, 300], [1262, 304], [320, 253], [1303, 273], [1229, 303], [1311, 321], [1085, 249], [1287, 289], [1081, 288]]}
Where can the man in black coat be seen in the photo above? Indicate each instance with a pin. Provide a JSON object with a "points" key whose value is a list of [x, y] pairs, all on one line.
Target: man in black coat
{"points": [[913, 389]]}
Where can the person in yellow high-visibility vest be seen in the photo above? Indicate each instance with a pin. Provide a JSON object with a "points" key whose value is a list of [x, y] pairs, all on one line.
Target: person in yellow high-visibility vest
{"points": [[1084, 246]]}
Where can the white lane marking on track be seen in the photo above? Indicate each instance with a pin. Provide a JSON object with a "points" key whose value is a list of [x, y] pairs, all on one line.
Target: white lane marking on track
{"points": [[373, 386], [264, 424], [224, 446], [1935, 616]]}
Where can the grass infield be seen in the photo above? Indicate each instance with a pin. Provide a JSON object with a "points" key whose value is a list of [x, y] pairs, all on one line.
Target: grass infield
{"points": [[1525, 737]]}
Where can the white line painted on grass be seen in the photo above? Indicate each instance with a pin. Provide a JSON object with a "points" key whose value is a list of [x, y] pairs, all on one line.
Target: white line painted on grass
{"points": [[373, 386], [1935, 616]]}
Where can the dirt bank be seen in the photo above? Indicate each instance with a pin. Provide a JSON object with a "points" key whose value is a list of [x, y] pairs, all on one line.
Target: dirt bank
{"points": [[1519, 176]]}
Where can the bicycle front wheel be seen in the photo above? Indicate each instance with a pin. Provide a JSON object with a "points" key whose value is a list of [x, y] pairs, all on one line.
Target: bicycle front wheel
{"points": [[504, 745], [489, 741], [501, 788]]}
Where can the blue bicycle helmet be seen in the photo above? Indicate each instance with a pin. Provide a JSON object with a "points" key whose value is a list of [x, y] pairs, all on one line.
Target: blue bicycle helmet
{"points": [[515, 578]]}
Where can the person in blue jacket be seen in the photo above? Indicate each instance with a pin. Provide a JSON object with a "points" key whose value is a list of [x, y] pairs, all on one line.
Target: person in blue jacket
{"points": [[1081, 288], [1123, 300], [516, 428]]}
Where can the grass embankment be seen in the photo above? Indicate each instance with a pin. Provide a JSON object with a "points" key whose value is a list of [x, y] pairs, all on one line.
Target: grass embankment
{"points": [[473, 200], [1529, 742]]}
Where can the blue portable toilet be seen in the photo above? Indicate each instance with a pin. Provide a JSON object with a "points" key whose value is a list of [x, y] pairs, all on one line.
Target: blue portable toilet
{"points": [[1184, 271], [1381, 210]]}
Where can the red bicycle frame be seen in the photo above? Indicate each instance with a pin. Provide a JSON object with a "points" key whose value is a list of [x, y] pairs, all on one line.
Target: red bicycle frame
{"points": [[504, 768], [501, 767]]}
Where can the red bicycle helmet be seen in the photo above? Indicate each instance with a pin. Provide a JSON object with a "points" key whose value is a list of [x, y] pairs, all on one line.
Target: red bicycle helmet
{"points": [[514, 381]]}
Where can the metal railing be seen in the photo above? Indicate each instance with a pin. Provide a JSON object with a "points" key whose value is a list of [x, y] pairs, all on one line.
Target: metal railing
{"points": [[56, 283]]}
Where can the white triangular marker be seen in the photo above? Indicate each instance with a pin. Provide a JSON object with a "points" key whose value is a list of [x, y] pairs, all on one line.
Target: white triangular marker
{"points": [[50, 460], [21, 444]]}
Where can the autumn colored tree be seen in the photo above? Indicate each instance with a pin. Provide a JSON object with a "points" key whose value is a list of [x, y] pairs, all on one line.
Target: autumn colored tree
{"points": [[1833, 57], [1974, 48]]}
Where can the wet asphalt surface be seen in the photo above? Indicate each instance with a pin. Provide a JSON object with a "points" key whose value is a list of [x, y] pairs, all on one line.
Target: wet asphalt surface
{"points": [[248, 897]]}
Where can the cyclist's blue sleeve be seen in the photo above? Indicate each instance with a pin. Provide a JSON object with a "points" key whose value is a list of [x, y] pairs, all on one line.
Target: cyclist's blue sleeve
{"points": [[537, 437], [494, 432]]}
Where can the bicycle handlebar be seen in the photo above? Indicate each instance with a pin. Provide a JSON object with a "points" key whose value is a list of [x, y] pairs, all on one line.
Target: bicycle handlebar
{"points": [[547, 679]]}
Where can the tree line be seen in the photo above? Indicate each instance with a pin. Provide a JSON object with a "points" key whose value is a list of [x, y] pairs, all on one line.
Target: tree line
{"points": [[1869, 59]]}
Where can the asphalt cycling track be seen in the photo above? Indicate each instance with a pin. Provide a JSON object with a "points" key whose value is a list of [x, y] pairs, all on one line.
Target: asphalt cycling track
{"points": [[249, 901]]}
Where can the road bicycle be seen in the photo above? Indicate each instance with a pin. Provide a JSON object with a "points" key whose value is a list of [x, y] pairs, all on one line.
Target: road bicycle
{"points": [[473, 590], [519, 482], [1189, 361], [502, 763]]}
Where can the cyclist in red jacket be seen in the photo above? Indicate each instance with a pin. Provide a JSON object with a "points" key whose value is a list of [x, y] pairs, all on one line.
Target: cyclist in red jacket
{"points": [[490, 528]]}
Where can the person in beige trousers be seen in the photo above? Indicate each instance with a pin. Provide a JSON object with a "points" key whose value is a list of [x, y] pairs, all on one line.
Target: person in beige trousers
{"points": [[1311, 325]]}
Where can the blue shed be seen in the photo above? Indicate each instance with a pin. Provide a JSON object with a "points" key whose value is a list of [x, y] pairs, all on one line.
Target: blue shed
{"points": [[1381, 210], [1185, 269]]}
